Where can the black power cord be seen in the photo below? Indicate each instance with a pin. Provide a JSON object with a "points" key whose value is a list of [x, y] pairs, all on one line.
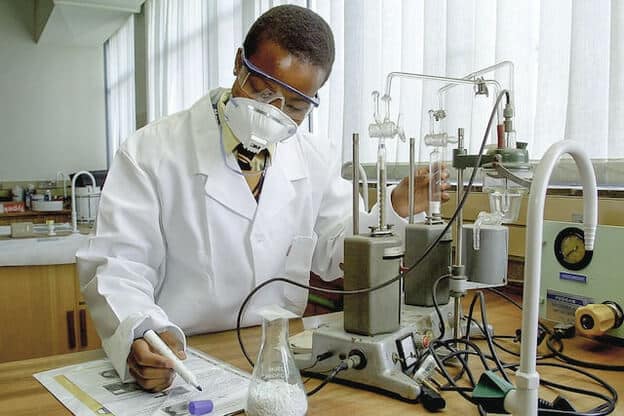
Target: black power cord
{"points": [[574, 361], [558, 352], [340, 367], [402, 274], [546, 408], [356, 361], [487, 334]]}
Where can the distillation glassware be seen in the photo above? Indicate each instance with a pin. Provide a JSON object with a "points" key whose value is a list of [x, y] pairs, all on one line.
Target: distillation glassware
{"points": [[435, 182], [438, 141]]}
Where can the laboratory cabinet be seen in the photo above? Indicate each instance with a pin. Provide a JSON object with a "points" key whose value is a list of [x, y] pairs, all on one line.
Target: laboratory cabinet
{"points": [[43, 313]]}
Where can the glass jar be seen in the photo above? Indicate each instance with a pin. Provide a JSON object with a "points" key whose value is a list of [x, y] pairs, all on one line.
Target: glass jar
{"points": [[276, 387]]}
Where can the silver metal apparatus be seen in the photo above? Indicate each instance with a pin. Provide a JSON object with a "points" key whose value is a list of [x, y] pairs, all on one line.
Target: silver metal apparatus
{"points": [[420, 280], [580, 286], [369, 260], [386, 337]]}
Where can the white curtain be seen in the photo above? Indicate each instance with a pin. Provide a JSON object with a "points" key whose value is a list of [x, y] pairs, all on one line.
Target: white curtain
{"points": [[191, 46], [120, 104], [569, 64], [568, 56]]}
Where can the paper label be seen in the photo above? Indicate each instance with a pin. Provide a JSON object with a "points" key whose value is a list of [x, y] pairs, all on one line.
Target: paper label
{"points": [[560, 306]]}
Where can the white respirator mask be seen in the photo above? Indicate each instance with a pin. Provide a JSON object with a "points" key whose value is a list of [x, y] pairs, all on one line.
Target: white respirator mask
{"points": [[257, 125]]}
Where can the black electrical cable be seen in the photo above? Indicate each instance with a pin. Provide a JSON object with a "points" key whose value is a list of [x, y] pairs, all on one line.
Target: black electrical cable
{"points": [[604, 409], [401, 274], [449, 343], [587, 364], [310, 366], [488, 336], [558, 353], [609, 402], [447, 376], [544, 328], [517, 305], [505, 337], [434, 296], [517, 354], [340, 367], [601, 410]]}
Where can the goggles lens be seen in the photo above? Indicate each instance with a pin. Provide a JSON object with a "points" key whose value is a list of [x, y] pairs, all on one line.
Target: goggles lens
{"points": [[263, 87]]}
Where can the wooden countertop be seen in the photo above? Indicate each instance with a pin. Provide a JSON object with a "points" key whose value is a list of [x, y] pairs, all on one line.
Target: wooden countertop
{"points": [[21, 394], [30, 213]]}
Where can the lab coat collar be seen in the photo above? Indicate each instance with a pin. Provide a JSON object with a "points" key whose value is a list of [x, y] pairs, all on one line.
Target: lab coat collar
{"points": [[287, 166]]}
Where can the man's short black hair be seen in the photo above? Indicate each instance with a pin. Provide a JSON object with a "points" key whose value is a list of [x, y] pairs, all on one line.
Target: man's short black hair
{"points": [[298, 30]]}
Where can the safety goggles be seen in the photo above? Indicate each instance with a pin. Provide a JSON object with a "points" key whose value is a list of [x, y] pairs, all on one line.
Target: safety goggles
{"points": [[259, 85]]}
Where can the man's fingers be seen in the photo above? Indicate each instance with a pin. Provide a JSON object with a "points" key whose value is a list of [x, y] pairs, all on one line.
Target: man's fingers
{"points": [[422, 171], [174, 343], [421, 180], [146, 357], [149, 373], [161, 386], [157, 384]]}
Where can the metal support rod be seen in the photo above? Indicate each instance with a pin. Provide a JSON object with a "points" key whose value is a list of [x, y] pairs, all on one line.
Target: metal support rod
{"points": [[412, 144], [458, 236], [356, 184], [381, 184], [460, 215]]}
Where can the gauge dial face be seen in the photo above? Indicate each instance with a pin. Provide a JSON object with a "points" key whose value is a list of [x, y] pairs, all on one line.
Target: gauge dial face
{"points": [[570, 249]]}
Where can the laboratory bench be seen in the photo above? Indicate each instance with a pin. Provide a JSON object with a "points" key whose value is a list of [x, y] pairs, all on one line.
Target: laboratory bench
{"points": [[21, 394], [42, 311], [36, 217]]}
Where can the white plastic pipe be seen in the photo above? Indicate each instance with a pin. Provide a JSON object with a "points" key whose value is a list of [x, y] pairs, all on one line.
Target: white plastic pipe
{"points": [[523, 400], [73, 190]]}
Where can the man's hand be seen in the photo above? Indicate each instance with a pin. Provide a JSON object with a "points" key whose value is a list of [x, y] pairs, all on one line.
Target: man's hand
{"points": [[400, 194], [152, 371]]}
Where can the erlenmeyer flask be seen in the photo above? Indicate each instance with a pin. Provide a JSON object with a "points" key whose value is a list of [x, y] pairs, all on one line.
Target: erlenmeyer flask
{"points": [[276, 387]]}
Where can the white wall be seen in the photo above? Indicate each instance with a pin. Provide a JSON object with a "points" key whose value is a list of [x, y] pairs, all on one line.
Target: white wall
{"points": [[52, 108]]}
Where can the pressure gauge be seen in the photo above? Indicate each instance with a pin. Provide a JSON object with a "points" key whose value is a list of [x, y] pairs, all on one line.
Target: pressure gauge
{"points": [[570, 249]]}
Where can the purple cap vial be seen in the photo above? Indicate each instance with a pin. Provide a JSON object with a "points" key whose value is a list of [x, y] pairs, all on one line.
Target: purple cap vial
{"points": [[200, 407]]}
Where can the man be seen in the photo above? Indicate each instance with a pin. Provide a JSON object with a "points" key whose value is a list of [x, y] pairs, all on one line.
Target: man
{"points": [[204, 205]]}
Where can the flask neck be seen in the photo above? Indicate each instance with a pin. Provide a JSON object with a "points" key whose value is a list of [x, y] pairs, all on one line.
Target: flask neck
{"points": [[275, 331]]}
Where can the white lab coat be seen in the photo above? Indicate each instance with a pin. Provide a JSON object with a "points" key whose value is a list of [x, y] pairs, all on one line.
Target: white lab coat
{"points": [[181, 241]]}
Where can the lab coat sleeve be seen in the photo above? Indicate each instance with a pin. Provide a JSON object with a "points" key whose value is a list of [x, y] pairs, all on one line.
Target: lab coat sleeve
{"points": [[120, 270], [335, 222]]}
